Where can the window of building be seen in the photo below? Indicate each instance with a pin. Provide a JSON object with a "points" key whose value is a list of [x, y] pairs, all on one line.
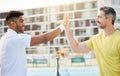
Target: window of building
{"points": [[52, 25], [87, 23], [51, 42], [5, 29], [69, 7], [61, 8], [47, 10], [62, 34], [41, 18], [79, 39], [36, 27], [61, 41], [32, 19], [53, 9], [41, 10], [27, 27], [53, 17], [71, 15], [77, 33], [0, 30], [117, 20], [79, 6], [93, 13], [52, 50], [93, 23], [31, 51], [76, 24], [37, 33], [79, 23], [77, 14], [45, 43], [33, 11], [95, 30], [59, 16], [57, 48], [84, 39], [115, 2], [72, 24], [82, 31], [117, 10], [36, 11], [1, 23], [3, 15], [94, 5]]}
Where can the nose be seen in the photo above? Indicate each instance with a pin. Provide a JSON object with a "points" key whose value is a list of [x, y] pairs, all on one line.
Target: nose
{"points": [[96, 19], [23, 24]]}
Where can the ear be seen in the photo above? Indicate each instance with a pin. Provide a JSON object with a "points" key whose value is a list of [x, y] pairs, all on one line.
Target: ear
{"points": [[12, 24], [110, 19]]}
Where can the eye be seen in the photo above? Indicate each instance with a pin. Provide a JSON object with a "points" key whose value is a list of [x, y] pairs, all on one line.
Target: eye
{"points": [[21, 20]]}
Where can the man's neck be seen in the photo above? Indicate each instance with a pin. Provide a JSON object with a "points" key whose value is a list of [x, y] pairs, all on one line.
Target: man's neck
{"points": [[109, 31]]}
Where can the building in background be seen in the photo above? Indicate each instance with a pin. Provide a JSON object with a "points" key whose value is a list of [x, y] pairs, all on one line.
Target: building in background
{"points": [[42, 19]]}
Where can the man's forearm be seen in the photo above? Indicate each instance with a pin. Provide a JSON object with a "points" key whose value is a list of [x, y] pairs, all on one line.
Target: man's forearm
{"points": [[73, 43], [46, 36]]}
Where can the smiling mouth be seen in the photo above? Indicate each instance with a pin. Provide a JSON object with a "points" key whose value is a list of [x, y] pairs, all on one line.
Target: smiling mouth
{"points": [[98, 22]]}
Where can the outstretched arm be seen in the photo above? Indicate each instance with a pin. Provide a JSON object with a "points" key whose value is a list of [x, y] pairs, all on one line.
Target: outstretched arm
{"points": [[75, 46], [45, 37], [48, 35]]}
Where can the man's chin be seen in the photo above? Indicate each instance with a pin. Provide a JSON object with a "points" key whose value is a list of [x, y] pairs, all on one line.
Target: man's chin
{"points": [[21, 31], [100, 27]]}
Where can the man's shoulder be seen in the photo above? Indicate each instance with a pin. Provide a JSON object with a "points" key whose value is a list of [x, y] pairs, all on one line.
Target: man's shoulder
{"points": [[118, 32], [23, 35], [97, 35]]}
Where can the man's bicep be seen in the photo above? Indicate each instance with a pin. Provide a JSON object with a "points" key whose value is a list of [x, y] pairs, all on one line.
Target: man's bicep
{"points": [[38, 39], [83, 47]]}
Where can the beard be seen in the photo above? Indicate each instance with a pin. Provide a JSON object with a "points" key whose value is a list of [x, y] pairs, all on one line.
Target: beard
{"points": [[20, 29], [100, 25]]}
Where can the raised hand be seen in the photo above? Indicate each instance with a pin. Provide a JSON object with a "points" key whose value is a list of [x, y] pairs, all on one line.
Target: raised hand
{"points": [[66, 20]]}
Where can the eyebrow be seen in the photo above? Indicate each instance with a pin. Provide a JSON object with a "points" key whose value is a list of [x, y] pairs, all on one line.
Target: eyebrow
{"points": [[21, 19]]}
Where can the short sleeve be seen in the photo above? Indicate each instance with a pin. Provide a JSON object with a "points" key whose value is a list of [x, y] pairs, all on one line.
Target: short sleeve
{"points": [[89, 43], [24, 40]]}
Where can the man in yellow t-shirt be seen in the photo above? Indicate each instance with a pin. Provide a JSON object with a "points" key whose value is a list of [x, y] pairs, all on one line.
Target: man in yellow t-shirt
{"points": [[105, 45]]}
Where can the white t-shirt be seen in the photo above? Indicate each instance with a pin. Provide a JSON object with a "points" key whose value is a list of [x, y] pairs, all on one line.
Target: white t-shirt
{"points": [[12, 53]]}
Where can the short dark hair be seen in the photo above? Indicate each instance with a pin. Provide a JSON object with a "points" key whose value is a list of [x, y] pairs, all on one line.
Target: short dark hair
{"points": [[13, 14], [109, 11]]}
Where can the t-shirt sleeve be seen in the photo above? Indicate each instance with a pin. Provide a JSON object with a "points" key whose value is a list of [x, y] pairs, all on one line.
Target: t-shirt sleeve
{"points": [[89, 43], [118, 47], [24, 40]]}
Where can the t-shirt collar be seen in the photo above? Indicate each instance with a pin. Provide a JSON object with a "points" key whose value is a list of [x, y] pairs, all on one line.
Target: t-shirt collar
{"points": [[11, 31]]}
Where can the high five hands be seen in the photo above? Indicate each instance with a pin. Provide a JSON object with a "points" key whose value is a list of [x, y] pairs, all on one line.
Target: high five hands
{"points": [[66, 20]]}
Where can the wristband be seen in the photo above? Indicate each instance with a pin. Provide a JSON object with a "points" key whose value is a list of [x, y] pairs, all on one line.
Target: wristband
{"points": [[61, 27]]}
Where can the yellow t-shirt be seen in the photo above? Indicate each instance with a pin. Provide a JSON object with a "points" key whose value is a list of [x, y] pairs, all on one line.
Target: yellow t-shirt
{"points": [[107, 52]]}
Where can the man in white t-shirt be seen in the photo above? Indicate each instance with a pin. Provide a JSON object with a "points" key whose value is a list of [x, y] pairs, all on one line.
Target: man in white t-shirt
{"points": [[13, 44]]}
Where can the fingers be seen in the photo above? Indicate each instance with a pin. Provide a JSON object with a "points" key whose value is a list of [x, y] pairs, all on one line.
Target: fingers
{"points": [[66, 16], [66, 19]]}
